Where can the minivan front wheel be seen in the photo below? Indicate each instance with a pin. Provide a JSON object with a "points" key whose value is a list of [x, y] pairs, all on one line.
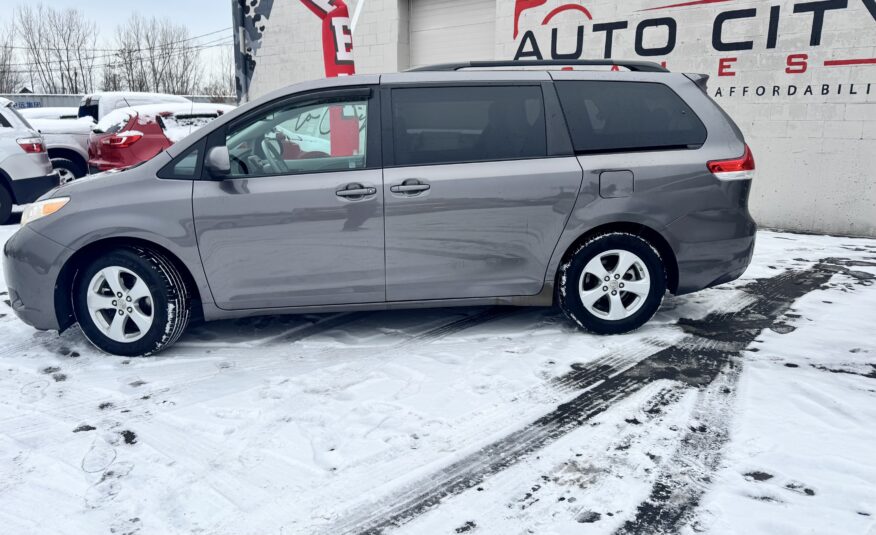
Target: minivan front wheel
{"points": [[131, 302], [612, 284]]}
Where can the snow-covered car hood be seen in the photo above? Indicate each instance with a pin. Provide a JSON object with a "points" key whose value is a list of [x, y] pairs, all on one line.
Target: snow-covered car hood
{"points": [[63, 126]]}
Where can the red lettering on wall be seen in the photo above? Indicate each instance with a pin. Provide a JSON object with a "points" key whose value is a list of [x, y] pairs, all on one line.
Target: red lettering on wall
{"points": [[797, 64], [724, 66]]}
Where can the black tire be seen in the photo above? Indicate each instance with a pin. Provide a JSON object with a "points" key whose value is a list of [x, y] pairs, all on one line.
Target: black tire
{"points": [[64, 164], [5, 205], [171, 306], [570, 281]]}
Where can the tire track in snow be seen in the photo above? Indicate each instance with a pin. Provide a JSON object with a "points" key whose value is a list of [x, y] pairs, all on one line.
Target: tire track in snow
{"points": [[582, 376], [696, 361], [684, 478]]}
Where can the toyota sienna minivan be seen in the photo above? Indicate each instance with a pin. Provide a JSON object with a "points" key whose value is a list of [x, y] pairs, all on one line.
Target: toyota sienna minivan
{"points": [[451, 185]]}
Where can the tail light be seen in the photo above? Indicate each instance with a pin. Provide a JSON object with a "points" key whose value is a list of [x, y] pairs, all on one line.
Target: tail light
{"points": [[31, 145], [741, 168], [122, 140]]}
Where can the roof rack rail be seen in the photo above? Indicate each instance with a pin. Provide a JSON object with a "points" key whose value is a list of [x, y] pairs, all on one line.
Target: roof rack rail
{"points": [[637, 66]]}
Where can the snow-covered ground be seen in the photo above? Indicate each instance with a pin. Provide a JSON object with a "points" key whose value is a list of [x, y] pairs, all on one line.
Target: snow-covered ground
{"points": [[745, 409]]}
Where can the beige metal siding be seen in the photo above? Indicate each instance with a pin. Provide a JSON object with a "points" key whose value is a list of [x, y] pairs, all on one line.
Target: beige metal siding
{"points": [[452, 30]]}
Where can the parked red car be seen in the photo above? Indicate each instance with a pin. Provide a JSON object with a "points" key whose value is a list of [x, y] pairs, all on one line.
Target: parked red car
{"points": [[128, 136]]}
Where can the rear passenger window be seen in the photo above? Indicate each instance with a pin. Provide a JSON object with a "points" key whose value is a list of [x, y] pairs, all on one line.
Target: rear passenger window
{"points": [[467, 124], [608, 116]]}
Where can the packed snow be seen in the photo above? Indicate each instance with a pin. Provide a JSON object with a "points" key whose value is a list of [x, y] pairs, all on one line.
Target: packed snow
{"points": [[50, 112], [749, 408], [81, 125], [179, 119]]}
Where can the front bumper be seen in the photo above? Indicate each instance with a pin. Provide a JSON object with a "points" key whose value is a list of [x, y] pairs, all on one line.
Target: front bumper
{"points": [[27, 190], [31, 264]]}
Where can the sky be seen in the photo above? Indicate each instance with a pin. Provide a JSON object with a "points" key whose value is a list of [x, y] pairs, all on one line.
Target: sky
{"points": [[201, 17]]}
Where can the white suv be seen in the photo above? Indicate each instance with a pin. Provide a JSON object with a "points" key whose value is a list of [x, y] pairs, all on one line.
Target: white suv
{"points": [[25, 170]]}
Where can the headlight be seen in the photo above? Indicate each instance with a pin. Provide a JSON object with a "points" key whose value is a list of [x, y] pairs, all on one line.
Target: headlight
{"points": [[41, 209]]}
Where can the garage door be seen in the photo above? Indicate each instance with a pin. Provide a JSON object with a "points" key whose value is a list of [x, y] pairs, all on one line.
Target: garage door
{"points": [[452, 30]]}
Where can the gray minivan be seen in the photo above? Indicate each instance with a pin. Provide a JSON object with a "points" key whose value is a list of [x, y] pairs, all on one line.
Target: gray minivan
{"points": [[461, 184]]}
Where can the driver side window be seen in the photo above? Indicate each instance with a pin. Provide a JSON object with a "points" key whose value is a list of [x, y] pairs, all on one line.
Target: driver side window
{"points": [[300, 138]]}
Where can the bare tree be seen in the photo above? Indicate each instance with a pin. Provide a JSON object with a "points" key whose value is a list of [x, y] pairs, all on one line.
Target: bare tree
{"points": [[10, 75], [221, 84], [111, 76], [59, 47], [158, 55]]}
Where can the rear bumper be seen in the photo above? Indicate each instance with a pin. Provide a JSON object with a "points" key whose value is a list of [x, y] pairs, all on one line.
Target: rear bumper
{"points": [[27, 190], [31, 264], [714, 246]]}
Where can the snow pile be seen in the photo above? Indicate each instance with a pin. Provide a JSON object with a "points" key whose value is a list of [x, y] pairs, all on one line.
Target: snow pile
{"points": [[479, 420], [83, 125], [178, 125], [147, 114], [59, 113]]}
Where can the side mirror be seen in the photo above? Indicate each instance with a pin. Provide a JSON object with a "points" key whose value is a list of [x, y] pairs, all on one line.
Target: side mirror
{"points": [[218, 162]]}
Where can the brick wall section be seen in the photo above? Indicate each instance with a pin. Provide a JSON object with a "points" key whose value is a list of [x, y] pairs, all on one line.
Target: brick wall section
{"points": [[816, 154]]}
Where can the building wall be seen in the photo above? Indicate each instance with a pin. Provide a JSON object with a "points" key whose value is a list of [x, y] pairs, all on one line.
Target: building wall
{"points": [[290, 47], [811, 125]]}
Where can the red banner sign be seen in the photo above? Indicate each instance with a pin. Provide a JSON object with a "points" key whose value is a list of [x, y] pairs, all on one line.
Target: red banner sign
{"points": [[337, 37]]}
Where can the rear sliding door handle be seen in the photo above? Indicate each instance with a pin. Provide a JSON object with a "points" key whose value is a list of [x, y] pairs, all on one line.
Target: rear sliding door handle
{"points": [[410, 187]]}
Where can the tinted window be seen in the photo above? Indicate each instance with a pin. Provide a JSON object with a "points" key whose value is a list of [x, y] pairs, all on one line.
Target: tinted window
{"points": [[467, 124], [3, 122], [618, 116], [184, 166], [300, 139], [90, 108]]}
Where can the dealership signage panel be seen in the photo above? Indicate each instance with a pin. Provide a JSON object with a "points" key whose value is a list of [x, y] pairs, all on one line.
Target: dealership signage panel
{"points": [[798, 76]]}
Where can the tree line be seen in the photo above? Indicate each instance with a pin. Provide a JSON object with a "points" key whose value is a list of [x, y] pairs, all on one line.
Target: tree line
{"points": [[53, 50]]}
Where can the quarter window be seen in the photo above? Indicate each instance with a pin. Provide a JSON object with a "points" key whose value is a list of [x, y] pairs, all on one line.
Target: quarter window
{"points": [[187, 165], [439, 125], [301, 139], [606, 116], [184, 166]]}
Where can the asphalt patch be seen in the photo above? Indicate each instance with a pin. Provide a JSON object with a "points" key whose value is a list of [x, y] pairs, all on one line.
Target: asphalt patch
{"points": [[758, 476], [129, 436]]}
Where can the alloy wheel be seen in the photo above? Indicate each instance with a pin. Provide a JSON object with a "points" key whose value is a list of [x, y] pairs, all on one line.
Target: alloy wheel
{"points": [[120, 304], [614, 284], [66, 175]]}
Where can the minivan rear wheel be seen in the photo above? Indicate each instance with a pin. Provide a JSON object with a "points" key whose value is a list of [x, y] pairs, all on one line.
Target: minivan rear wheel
{"points": [[612, 284], [131, 302]]}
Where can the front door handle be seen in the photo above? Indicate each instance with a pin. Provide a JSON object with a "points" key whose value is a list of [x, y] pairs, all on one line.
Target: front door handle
{"points": [[356, 191], [411, 186]]}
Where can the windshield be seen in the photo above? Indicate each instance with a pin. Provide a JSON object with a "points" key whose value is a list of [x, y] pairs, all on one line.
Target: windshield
{"points": [[21, 118]]}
